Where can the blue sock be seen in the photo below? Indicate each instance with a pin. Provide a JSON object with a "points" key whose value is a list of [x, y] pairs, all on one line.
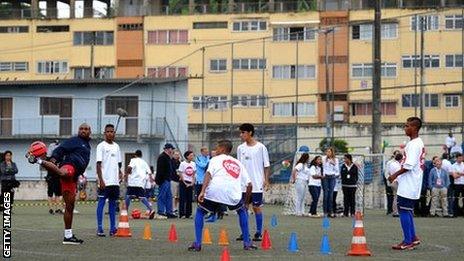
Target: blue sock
{"points": [[112, 214], [146, 203], [243, 220], [259, 222], [127, 200], [405, 225], [100, 207], [412, 229], [199, 219]]}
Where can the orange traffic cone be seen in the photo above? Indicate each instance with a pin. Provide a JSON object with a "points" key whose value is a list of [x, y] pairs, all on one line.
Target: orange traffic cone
{"points": [[223, 238], [266, 244], [225, 255], [123, 226], [147, 231], [358, 243], [172, 234], [206, 237]]}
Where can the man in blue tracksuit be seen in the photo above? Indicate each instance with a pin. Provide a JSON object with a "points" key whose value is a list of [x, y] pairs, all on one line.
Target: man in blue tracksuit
{"points": [[201, 161]]}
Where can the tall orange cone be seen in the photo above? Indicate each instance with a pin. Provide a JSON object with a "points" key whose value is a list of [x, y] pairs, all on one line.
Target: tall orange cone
{"points": [[147, 231], [358, 243], [225, 256], [223, 238], [206, 237], [172, 234], [123, 226], [266, 244]]}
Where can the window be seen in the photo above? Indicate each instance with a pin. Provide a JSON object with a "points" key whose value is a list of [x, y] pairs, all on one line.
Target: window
{"points": [[249, 101], [361, 70], [168, 37], [99, 73], [363, 109], [413, 100], [253, 25], [210, 102], [453, 22], [452, 100], [14, 29], [130, 27], [210, 25], [128, 103], [14, 66], [164, 72], [454, 60], [281, 34], [249, 64], [365, 31], [52, 67], [52, 28], [430, 22], [290, 72], [218, 65], [288, 109], [98, 38], [56, 106], [411, 61]]}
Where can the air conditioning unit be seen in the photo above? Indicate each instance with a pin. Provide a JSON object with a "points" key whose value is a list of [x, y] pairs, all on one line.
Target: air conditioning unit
{"points": [[339, 117]]}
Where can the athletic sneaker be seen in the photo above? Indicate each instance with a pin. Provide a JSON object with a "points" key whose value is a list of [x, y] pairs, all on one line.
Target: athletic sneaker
{"points": [[403, 246], [416, 241], [72, 241], [158, 216], [257, 237], [169, 215], [51, 211], [113, 232], [240, 238], [151, 215], [59, 211], [250, 247], [100, 233], [194, 248]]}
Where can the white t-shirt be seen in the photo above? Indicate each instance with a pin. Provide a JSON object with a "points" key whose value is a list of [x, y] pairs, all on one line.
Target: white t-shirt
{"points": [[187, 170], [456, 149], [255, 159], [446, 165], [110, 156], [330, 167], [410, 182], [314, 171], [228, 176], [458, 168], [392, 167], [139, 173], [302, 171], [450, 141]]}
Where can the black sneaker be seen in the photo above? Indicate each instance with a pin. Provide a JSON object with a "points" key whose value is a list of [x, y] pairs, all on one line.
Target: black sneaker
{"points": [[194, 248], [152, 214], [59, 211], [72, 241], [257, 237], [250, 247], [51, 212], [100, 233], [240, 238], [113, 232], [169, 215]]}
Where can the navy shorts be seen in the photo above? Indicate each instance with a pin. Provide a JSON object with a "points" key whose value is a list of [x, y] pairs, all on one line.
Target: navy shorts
{"points": [[135, 192], [256, 199], [109, 192], [405, 203], [216, 207]]}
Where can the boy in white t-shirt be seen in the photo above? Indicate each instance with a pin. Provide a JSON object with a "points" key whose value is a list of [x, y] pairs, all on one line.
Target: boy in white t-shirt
{"points": [[255, 157], [137, 174], [409, 179], [222, 185], [109, 176]]}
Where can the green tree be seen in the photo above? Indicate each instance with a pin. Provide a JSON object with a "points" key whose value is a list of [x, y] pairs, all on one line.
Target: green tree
{"points": [[340, 146]]}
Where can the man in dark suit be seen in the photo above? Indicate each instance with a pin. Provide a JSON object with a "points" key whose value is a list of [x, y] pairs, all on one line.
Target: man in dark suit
{"points": [[164, 169]]}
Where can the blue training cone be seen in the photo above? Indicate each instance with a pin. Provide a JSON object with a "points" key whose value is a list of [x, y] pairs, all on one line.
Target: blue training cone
{"points": [[325, 223], [293, 243], [325, 245], [273, 221]]}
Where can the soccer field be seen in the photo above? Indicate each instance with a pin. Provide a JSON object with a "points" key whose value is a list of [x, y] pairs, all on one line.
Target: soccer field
{"points": [[37, 235]]}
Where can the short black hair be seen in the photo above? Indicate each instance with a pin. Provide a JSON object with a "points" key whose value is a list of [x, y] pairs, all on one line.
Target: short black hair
{"points": [[348, 156], [457, 154], [226, 144], [7, 152], [417, 122], [187, 153], [445, 156], [247, 127], [109, 125], [138, 153]]}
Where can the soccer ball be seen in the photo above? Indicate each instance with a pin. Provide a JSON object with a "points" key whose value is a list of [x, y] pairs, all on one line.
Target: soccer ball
{"points": [[286, 164], [38, 149], [136, 214]]}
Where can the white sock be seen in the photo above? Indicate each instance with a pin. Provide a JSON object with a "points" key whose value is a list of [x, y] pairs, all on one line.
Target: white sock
{"points": [[68, 233]]}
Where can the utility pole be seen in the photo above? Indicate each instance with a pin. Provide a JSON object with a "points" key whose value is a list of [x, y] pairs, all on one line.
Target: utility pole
{"points": [[422, 79], [203, 133], [327, 89], [414, 65], [462, 80], [92, 51]]}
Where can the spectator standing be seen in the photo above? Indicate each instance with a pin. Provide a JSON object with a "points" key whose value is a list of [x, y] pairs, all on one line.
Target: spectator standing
{"points": [[187, 171], [8, 171], [450, 142], [458, 175], [201, 162], [175, 181], [438, 183], [164, 168], [392, 167], [448, 167], [314, 184], [330, 170], [300, 177], [349, 174]]}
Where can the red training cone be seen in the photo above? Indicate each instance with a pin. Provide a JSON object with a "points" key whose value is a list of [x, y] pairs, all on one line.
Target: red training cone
{"points": [[172, 234], [225, 256], [266, 244]]}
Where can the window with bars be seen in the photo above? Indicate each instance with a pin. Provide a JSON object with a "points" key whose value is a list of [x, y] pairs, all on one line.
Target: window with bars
{"points": [[99, 73], [281, 34], [364, 70], [453, 22], [452, 100], [168, 37], [363, 109], [288, 109], [252, 25], [52, 28], [96, 37], [365, 31], [52, 67], [167, 72], [14, 66], [411, 61], [249, 64], [130, 27], [209, 102], [290, 71], [249, 101], [128, 103], [413, 100], [430, 22], [218, 65], [14, 29], [454, 60]]}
